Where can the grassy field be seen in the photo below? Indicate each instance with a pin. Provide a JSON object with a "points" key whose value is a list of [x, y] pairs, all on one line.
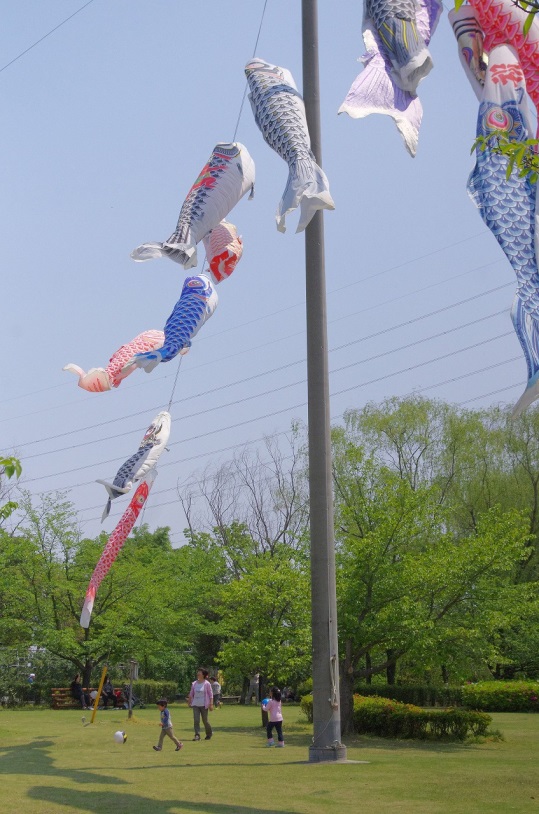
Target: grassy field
{"points": [[51, 762]]}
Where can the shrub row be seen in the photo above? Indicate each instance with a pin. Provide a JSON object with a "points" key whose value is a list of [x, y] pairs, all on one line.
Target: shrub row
{"points": [[421, 696], [21, 693], [150, 691], [386, 718], [390, 719], [502, 696]]}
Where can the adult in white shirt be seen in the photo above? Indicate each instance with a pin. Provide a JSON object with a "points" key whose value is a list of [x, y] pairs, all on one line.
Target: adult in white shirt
{"points": [[200, 699]]}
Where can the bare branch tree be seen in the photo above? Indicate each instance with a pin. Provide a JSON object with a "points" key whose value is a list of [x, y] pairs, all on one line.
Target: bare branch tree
{"points": [[262, 492]]}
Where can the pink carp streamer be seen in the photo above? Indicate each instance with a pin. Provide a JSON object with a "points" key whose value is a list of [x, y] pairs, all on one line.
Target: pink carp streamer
{"points": [[99, 379], [224, 249], [114, 545], [503, 23]]}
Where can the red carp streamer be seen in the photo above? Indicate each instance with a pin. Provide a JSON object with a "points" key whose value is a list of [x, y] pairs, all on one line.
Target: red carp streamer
{"points": [[114, 545], [224, 249]]}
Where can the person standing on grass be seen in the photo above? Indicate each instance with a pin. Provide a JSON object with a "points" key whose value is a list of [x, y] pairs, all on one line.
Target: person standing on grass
{"points": [[216, 690], [166, 726], [201, 700], [275, 716]]}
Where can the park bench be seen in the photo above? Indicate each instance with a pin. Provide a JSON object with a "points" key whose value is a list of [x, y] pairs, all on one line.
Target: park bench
{"points": [[230, 699], [62, 698]]}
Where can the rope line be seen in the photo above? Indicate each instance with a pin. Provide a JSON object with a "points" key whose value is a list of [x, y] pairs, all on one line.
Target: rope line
{"points": [[175, 383], [246, 84]]}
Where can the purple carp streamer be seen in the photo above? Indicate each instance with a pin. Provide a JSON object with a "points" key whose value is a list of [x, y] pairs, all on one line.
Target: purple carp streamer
{"points": [[196, 305], [99, 379], [279, 112], [114, 545], [508, 204], [395, 22], [139, 464], [392, 71], [222, 182]]}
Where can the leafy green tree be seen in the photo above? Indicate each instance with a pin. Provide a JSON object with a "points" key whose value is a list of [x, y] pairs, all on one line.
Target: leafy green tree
{"points": [[133, 614], [266, 621], [9, 467], [407, 583], [16, 599], [252, 514], [199, 571]]}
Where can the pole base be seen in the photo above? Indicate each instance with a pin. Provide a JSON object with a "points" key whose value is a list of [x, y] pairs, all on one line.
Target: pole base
{"points": [[322, 754]]}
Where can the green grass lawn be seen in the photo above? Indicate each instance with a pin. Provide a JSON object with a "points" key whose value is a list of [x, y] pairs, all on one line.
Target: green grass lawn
{"points": [[50, 762]]}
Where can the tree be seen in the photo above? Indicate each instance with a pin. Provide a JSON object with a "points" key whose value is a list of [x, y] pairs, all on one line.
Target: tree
{"points": [[408, 583], [133, 615], [253, 510], [266, 620], [9, 467], [253, 504], [16, 622]]}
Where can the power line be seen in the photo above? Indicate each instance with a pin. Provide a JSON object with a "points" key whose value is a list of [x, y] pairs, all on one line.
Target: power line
{"points": [[294, 407], [280, 368], [44, 37], [334, 418], [277, 389], [259, 317]]}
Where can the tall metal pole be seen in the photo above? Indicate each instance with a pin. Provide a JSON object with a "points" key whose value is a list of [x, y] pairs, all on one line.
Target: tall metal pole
{"points": [[326, 703]]}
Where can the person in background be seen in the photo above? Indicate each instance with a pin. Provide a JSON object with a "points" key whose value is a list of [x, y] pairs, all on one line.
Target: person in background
{"points": [[201, 700], [216, 690], [78, 693], [166, 726], [275, 715], [107, 693]]}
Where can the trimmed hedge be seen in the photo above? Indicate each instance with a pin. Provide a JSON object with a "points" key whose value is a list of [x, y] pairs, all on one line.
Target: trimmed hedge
{"points": [[391, 719], [502, 696], [22, 693], [421, 696]]}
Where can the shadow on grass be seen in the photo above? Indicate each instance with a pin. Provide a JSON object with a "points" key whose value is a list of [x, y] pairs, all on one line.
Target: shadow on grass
{"points": [[294, 735], [33, 758], [394, 745], [106, 801]]}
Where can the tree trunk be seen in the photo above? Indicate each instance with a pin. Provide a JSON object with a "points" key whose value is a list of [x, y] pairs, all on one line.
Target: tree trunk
{"points": [[368, 665], [347, 699], [245, 689], [391, 669], [87, 674], [445, 674]]}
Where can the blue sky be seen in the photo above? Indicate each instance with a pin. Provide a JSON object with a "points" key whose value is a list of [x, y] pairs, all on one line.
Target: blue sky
{"points": [[106, 125]]}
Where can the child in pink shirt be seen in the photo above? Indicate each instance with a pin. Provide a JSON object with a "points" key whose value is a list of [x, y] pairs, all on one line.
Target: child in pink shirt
{"points": [[275, 715]]}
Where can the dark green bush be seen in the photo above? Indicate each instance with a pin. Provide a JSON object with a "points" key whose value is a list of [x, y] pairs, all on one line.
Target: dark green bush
{"points": [[306, 706], [386, 718], [149, 691], [502, 696], [421, 696], [391, 719], [20, 693]]}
